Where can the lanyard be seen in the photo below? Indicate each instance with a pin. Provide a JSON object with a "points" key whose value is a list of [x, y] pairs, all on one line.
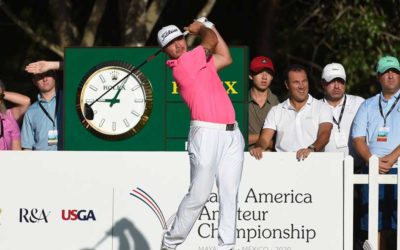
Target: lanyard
{"points": [[390, 110], [55, 112], [1, 127], [341, 113], [2, 136]]}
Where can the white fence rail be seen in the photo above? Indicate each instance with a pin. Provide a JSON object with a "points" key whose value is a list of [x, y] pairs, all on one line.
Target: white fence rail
{"points": [[373, 179]]}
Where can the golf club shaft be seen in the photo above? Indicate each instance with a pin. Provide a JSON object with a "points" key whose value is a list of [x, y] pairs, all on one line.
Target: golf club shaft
{"points": [[131, 72]]}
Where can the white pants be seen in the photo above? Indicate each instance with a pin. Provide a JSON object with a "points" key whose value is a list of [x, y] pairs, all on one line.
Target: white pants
{"points": [[215, 153]]}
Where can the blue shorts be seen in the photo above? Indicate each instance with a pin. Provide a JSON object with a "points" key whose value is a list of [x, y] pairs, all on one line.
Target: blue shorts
{"points": [[387, 205]]}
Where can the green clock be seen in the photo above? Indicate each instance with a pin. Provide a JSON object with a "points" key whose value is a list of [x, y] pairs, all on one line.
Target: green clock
{"points": [[126, 107]]}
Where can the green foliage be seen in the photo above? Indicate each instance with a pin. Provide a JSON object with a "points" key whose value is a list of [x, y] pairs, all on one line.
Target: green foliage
{"points": [[354, 33], [312, 32]]}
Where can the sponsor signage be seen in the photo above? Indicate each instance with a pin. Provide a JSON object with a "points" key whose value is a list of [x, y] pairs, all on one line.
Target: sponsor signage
{"points": [[125, 200], [89, 72], [33, 215], [75, 214]]}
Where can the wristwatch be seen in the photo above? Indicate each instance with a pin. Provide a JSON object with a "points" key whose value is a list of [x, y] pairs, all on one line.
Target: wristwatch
{"points": [[312, 147]]}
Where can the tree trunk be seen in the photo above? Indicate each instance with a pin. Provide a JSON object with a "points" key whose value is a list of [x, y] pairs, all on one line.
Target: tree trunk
{"points": [[65, 29], [89, 35], [133, 18], [29, 31], [152, 14], [267, 10], [205, 11]]}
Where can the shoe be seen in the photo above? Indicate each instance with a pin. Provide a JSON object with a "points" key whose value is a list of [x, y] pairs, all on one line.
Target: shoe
{"points": [[169, 224], [367, 245], [163, 247]]}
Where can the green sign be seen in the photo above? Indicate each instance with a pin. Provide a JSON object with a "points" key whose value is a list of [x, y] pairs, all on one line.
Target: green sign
{"points": [[91, 72]]}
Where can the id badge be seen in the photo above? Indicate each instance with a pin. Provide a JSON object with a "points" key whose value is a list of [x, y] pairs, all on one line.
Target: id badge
{"points": [[52, 138], [383, 133], [341, 139]]}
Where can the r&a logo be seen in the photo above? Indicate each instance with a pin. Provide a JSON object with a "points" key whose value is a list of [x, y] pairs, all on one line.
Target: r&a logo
{"points": [[74, 214], [33, 215]]}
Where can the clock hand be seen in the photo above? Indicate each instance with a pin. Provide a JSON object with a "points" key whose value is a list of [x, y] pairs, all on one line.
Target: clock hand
{"points": [[101, 100], [87, 108], [114, 100], [88, 111]]}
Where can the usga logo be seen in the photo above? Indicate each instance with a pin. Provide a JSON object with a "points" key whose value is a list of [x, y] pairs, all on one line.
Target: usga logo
{"points": [[33, 215], [75, 214]]}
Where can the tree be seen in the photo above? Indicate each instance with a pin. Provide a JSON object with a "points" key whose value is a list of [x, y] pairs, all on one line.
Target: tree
{"points": [[137, 19], [355, 33]]}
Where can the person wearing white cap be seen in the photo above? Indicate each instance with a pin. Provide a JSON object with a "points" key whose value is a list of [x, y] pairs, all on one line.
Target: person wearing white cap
{"points": [[215, 143], [344, 107], [302, 123], [376, 131]]}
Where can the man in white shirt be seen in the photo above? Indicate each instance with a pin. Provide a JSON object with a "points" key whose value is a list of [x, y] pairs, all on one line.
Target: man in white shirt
{"points": [[303, 124], [344, 107]]}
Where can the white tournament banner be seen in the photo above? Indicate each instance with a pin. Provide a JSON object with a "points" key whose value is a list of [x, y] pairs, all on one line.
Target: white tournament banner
{"points": [[122, 200]]}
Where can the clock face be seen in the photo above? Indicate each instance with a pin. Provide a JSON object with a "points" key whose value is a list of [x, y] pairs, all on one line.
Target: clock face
{"points": [[121, 105]]}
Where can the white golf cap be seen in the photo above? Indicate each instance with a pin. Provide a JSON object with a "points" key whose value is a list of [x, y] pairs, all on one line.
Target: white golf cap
{"points": [[167, 34], [332, 71]]}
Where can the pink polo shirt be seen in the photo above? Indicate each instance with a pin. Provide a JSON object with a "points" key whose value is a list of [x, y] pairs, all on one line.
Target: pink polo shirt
{"points": [[11, 130], [201, 88]]}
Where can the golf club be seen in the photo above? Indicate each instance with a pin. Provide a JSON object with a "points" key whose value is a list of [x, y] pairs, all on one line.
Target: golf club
{"points": [[87, 109], [98, 243]]}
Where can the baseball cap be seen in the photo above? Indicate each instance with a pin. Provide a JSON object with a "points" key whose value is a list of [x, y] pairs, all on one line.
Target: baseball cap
{"points": [[167, 34], [261, 62], [387, 62], [332, 71]]}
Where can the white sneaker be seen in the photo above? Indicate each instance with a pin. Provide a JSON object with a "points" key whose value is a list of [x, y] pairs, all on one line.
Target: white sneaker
{"points": [[169, 224], [163, 247], [367, 245]]}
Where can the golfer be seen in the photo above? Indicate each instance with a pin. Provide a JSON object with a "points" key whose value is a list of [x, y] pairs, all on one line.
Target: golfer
{"points": [[215, 143]]}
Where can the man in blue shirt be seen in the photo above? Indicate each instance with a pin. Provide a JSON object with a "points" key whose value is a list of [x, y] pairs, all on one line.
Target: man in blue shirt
{"points": [[42, 121], [376, 131]]}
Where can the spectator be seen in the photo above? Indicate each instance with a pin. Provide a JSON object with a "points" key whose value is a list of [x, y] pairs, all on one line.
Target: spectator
{"points": [[261, 99], [302, 123], [344, 107], [43, 66], [42, 122], [10, 137], [376, 131]]}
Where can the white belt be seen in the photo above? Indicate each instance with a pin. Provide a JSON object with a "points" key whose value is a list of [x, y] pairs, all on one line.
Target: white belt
{"points": [[220, 126]]}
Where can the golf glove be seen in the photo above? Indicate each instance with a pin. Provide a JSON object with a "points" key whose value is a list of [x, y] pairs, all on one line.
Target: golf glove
{"points": [[204, 21]]}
